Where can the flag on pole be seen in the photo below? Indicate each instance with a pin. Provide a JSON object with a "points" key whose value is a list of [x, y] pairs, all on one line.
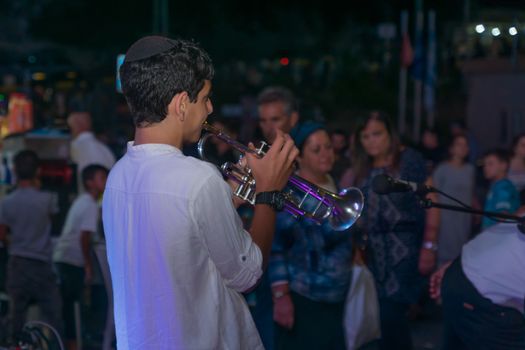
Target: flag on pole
{"points": [[407, 53], [417, 67], [430, 76], [417, 70], [406, 58]]}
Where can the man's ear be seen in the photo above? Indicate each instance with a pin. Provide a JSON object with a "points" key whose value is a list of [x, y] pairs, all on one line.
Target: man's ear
{"points": [[178, 105]]}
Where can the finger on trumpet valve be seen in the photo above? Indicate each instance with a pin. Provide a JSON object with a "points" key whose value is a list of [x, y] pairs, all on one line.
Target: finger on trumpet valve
{"points": [[243, 163]]}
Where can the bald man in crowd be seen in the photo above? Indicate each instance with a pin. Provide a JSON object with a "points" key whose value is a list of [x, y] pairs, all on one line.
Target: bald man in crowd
{"points": [[85, 148]]}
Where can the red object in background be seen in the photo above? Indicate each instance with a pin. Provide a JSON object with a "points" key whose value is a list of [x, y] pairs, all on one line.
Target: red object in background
{"points": [[407, 53], [284, 61], [19, 114], [57, 172]]}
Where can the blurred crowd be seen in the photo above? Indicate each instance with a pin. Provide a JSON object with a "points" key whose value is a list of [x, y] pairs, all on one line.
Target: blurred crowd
{"points": [[301, 300]]}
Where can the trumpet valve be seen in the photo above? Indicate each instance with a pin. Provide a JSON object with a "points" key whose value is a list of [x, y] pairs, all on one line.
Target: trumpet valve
{"points": [[262, 148]]}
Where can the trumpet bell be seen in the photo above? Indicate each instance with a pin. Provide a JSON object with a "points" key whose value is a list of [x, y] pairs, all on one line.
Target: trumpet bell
{"points": [[347, 209]]}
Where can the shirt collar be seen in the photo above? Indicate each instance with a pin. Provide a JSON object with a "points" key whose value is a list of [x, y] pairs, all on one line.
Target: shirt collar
{"points": [[151, 149]]}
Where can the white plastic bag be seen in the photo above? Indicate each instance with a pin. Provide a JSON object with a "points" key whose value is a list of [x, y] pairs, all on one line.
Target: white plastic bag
{"points": [[361, 317]]}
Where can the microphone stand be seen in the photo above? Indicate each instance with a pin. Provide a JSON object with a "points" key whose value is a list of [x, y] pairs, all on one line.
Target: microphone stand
{"points": [[428, 203]]}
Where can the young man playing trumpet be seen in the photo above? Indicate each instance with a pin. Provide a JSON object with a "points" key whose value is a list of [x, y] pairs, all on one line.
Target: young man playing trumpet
{"points": [[176, 247]]}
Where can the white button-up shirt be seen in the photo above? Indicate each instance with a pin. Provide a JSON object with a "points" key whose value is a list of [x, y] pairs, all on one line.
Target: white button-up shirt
{"points": [[178, 254], [87, 150], [494, 261]]}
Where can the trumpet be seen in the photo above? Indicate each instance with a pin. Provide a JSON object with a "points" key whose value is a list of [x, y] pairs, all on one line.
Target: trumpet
{"points": [[303, 199]]}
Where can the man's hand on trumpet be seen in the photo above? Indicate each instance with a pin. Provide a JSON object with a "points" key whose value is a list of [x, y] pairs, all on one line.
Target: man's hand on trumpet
{"points": [[272, 171], [275, 167]]}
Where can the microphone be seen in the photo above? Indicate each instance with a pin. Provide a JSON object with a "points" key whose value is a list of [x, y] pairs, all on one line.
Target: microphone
{"points": [[384, 184]]}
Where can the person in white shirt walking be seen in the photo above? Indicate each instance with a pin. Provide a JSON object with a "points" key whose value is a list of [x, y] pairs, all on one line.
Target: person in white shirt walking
{"points": [[178, 254], [72, 253], [85, 148]]}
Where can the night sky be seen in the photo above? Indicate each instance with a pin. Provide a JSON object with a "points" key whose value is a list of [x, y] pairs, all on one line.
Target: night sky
{"points": [[232, 24], [223, 27], [233, 31]]}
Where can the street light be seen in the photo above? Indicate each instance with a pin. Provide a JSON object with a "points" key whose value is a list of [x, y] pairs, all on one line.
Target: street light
{"points": [[480, 28], [496, 31], [513, 31]]}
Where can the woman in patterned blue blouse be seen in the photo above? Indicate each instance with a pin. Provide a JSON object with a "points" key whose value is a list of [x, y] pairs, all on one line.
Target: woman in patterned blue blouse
{"points": [[310, 265], [393, 223]]}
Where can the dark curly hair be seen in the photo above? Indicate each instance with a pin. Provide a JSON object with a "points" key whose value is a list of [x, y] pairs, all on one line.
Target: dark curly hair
{"points": [[149, 84]]}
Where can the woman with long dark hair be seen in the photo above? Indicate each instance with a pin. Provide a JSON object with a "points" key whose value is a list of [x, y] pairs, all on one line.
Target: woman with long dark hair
{"points": [[394, 224]]}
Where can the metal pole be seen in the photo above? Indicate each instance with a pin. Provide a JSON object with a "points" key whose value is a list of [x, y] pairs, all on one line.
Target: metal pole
{"points": [[515, 40], [430, 81], [155, 16], [418, 83], [402, 99], [164, 17]]}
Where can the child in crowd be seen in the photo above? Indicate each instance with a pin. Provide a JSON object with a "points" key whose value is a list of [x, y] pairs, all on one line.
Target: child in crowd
{"points": [[25, 226], [72, 254], [502, 196]]}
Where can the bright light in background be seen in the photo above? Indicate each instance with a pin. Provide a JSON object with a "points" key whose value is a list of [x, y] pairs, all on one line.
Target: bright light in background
{"points": [[480, 28], [120, 61], [513, 31], [39, 76], [284, 61], [496, 31]]}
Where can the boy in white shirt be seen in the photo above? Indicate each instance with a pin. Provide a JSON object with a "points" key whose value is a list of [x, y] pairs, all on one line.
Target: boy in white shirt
{"points": [[72, 253], [178, 254]]}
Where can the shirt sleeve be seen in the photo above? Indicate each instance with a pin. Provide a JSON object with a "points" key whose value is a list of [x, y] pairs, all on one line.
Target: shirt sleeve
{"points": [[90, 218], [237, 258]]}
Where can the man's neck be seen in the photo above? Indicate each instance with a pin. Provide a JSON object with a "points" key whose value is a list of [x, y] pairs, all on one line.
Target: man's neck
{"points": [[158, 133]]}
